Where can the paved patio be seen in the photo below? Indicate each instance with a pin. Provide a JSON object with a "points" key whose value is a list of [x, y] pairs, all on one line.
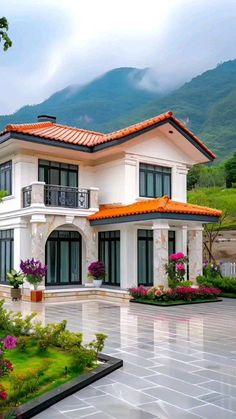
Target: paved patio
{"points": [[179, 362]]}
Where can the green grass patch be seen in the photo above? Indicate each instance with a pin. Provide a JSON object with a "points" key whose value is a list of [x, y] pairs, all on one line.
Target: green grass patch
{"points": [[32, 359], [228, 295]]}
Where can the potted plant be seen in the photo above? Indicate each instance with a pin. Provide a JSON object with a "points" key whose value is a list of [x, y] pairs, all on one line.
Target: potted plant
{"points": [[97, 272], [15, 279], [34, 273]]}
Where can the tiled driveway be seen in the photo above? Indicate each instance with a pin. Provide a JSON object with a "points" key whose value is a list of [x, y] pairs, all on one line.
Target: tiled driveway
{"points": [[179, 362]]}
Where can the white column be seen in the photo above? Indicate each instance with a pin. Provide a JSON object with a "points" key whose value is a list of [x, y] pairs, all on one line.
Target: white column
{"points": [[128, 256], [160, 253], [181, 239], [195, 242]]}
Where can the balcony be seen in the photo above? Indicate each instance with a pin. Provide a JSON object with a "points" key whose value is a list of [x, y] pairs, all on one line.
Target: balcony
{"points": [[38, 194]]}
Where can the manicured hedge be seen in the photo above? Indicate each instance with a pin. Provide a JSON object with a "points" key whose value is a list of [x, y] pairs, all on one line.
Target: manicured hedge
{"points": [[226, 284]]}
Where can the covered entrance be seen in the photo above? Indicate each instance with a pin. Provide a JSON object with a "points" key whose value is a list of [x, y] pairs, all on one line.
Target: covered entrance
{"points": [[64, 258]]}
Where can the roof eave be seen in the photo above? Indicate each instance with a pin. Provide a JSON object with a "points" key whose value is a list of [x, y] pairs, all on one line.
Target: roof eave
{"points": [[155, 216], [43, 141]]}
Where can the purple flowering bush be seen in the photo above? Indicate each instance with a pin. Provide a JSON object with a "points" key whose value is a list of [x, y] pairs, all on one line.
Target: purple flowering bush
{"points": [[212, 269], [34, 271], [8, 343], [97, 270]]}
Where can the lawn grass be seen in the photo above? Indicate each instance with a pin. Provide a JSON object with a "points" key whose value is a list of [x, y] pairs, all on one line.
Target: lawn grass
{"points": [[54, 375], [228, 295], [173, 303]]}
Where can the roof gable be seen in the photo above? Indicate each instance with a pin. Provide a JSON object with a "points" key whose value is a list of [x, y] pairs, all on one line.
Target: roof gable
{"points": [[95, 141]]}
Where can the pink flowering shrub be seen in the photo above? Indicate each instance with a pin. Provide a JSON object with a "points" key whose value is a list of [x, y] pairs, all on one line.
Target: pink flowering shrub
{"points": [[3, 393], [176, 268], [174, 294], [8, 343]]}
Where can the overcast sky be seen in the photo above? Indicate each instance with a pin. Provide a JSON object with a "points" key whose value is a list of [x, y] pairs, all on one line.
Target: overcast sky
{"points": [[62, 42]]}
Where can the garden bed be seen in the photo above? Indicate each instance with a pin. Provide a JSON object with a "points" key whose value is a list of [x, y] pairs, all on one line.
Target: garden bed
{"points": [[44, 401], [180, 295], [172, 303], [40, 365]]}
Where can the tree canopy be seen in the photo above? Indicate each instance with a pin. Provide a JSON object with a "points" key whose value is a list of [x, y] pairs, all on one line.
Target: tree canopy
{"points": [[230, 171], [7, 43]]}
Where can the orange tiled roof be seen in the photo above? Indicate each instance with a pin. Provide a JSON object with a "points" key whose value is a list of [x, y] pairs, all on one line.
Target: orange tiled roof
{"points": [[71, 135], [162, 205]]}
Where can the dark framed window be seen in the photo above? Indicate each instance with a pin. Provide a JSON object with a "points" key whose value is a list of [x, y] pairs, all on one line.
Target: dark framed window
{"points": [[109, 253], [55, 173], [63, 258], [145, 255], [6, 177], [154, 181], [6, 253], [171, 244]]}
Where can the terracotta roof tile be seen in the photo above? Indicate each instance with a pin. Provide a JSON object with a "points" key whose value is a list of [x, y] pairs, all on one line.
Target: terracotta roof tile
{"points": [[161, 205], [57, 132]]}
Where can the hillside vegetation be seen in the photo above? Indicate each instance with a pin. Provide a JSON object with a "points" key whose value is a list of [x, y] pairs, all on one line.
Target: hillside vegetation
{"points": [[207, 104], [219, 198]]}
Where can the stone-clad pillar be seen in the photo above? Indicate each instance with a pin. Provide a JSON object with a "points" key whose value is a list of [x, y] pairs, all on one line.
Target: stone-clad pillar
{"points": [[38, 240], [195, 243], [160, 253]]}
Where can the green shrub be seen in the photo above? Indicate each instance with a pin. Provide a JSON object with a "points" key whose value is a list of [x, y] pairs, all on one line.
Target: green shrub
{"points": [[173, 283], [22, 343], [49, 335], [68, 340], [98, 344], [83, 358], [225, 284], [14, 323]]}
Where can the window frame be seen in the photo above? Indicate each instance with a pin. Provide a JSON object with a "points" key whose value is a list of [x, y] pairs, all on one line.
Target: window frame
{"points": [[154, 169], [53, 164], [3, 173], [6, 236]]}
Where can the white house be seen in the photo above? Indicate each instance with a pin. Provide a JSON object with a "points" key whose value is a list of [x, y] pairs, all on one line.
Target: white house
{"points": [[75, 196]]}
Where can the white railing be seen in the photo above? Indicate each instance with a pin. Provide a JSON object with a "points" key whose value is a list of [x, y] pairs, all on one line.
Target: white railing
{"points": [[229, 269]]}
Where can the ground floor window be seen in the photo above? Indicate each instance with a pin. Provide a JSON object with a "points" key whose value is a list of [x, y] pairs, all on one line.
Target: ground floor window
{"points": [[109, 253], [6, 252], [63, 258], [145, 255]]}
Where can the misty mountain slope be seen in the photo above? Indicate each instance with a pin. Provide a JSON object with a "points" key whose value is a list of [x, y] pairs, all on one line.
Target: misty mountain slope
{"points": [[207, 104], [91, 106]]}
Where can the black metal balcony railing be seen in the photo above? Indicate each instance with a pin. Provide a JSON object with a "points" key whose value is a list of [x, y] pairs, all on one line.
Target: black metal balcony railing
{"points": [[66, 196], [60, 196], [27, 196]]}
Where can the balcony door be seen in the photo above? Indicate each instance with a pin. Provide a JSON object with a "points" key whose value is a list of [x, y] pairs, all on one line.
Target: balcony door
{"points": [[63, 258], [61, 183]]}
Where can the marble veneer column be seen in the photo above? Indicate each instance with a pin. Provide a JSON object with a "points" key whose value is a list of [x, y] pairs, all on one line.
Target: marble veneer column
{"points": [[160, 253], [195, 243]]}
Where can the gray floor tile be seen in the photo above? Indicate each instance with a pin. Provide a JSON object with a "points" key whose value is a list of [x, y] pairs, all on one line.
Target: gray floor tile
{"points": [[189, 353], [176, 398], [128, 394], [210, 411], [118, 408], [178, 385], [166, 411]]}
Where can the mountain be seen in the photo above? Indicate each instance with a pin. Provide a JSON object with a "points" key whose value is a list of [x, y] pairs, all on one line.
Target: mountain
{"points": [[207, 104], [93, 105]]}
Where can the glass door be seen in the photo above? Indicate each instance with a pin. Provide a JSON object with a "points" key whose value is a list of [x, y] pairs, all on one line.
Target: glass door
{"points": [[63, 258]]}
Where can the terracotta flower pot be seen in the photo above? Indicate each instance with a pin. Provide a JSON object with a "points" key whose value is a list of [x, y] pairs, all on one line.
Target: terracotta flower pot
{"points": [[36, 296], [15, 294]]}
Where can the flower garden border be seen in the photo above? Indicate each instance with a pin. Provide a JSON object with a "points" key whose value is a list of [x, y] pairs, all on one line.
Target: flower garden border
{"points": [[40, 403], [174, 303]]}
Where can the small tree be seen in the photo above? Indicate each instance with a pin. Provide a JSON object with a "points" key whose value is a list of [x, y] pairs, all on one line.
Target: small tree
{"points": [[7, 43], [211, 232], [230, 171]]}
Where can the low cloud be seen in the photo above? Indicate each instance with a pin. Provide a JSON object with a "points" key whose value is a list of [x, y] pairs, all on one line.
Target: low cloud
{"points": [[56, 44]]}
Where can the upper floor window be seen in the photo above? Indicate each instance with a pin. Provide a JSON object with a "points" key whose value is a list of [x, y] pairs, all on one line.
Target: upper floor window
{"points": [[6, 177], [154, 181], [55, 173]]}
